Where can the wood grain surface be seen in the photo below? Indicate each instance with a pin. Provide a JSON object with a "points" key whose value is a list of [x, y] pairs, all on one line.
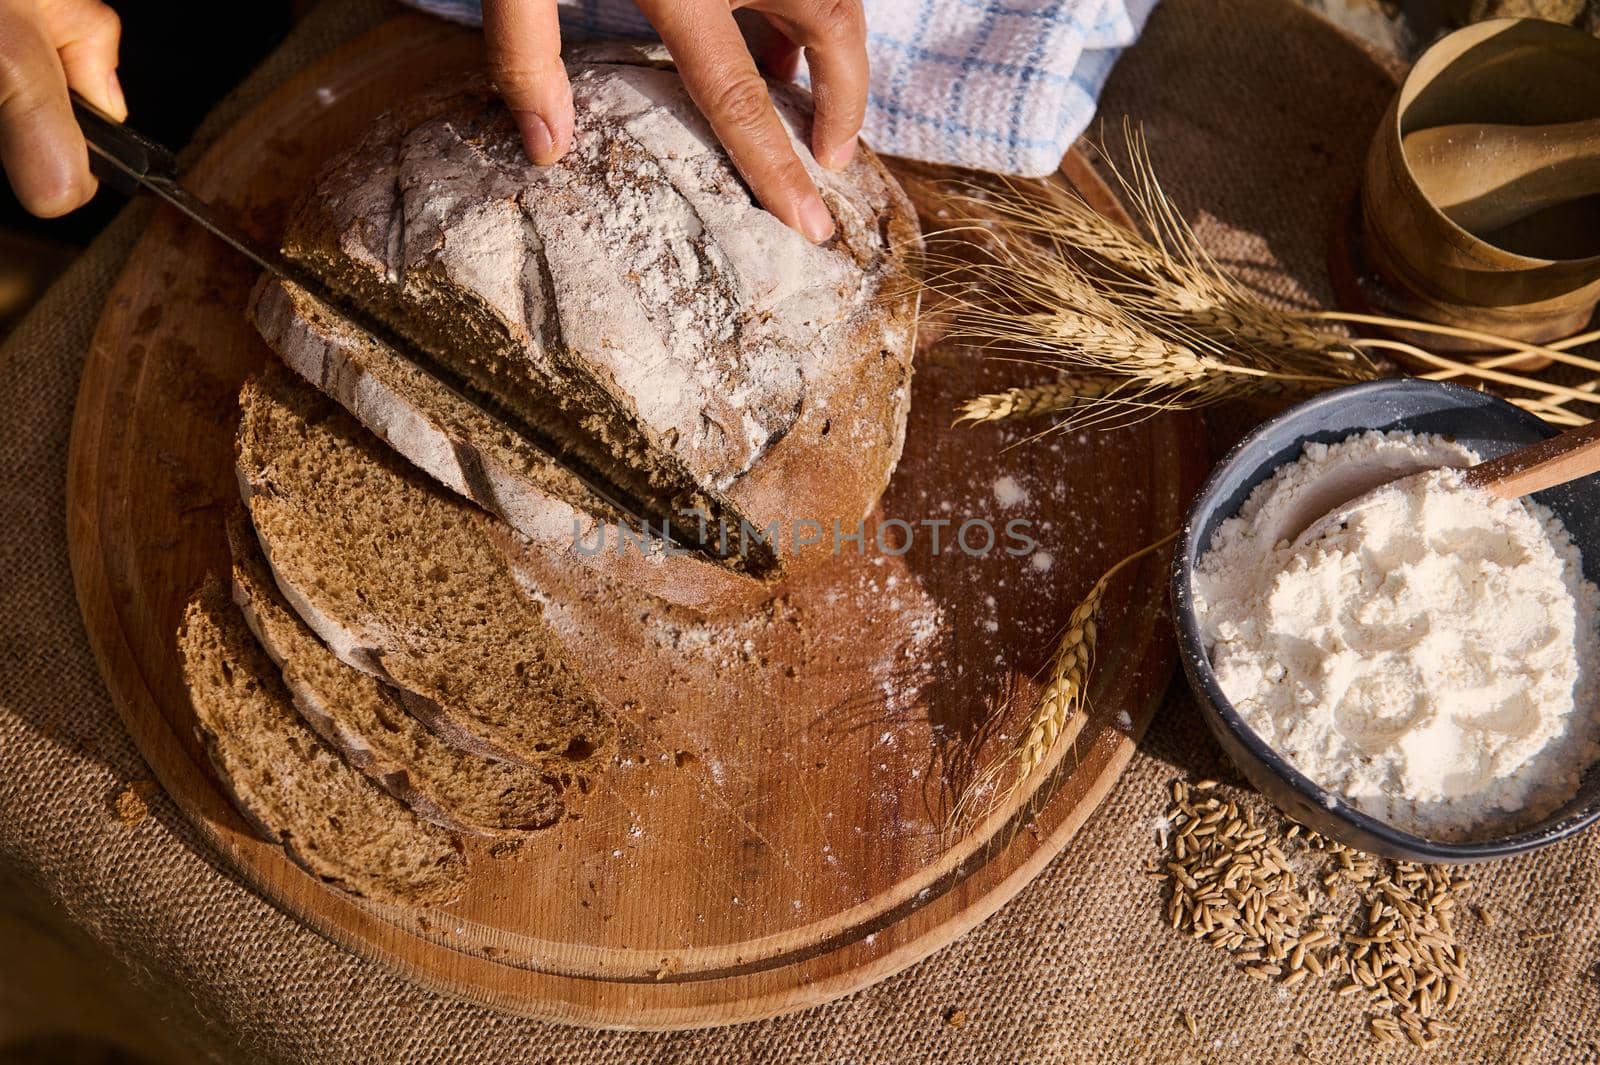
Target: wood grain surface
{"points": [[775, 832]]}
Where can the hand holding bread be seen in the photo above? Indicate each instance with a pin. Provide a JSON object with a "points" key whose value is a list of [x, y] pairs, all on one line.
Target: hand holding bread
{"points": [[47, 46], [524, 40]]}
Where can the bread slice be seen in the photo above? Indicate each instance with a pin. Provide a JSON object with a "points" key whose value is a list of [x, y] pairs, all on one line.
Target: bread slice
{"points": [[291, 786], [634, 299], [467, 450], [364, 720], [402, 581]]}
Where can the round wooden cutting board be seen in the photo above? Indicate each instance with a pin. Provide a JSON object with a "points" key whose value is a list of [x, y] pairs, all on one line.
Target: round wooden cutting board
{"points": [[775, 831]]}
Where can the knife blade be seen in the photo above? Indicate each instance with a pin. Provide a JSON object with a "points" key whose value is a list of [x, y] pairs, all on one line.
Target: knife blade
{"points": [[130, 162]]}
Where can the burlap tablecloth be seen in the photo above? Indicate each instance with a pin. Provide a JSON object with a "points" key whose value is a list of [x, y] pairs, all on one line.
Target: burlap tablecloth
{"points": [[1257, 116]]}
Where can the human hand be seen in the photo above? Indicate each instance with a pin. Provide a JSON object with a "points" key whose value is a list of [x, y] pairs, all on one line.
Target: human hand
{"points": [[45, 47], [524, 41]]}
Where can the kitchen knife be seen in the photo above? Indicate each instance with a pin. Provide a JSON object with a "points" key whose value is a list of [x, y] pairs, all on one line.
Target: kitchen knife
{"points": [[128, 161]]}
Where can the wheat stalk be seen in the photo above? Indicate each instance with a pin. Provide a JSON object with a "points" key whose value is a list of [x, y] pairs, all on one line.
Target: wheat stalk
{"points": [[1067, 684], [1052, 281], [1064, 695], [1028, 400], [1159, 360]]}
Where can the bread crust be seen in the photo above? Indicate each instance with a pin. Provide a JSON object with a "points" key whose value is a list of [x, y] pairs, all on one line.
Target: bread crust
{"points": [[795, 418], [553, 517]]}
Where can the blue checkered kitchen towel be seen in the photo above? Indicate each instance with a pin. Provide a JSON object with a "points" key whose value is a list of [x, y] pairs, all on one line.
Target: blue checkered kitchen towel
{"points": [[1004, 86]]}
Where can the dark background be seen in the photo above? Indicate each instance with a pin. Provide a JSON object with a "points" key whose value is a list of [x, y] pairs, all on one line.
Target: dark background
{"points": [[180, 57]]}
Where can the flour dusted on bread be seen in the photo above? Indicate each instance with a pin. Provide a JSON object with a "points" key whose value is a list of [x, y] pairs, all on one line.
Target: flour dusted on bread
{"points": [[634, 298], [465, 449]]}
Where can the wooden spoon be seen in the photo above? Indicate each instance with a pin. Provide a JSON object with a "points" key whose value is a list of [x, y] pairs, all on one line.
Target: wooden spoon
{"points": [[1573, 454], [1485, 177]]}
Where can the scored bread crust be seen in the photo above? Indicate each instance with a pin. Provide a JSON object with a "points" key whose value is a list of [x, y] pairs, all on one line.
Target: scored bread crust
{"points": [[292, 788], [366, 722], [435, 219], [403, 581]]}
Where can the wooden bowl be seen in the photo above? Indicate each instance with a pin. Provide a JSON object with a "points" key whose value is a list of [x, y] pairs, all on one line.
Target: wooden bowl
{"points": [[1538, 280]]}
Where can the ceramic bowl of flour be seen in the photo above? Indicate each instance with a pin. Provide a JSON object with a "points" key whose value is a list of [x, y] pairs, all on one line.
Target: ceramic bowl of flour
{"points": [[1479, 422]]}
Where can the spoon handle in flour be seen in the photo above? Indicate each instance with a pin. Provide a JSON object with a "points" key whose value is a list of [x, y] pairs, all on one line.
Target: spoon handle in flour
{"points": [[1573, 454]]}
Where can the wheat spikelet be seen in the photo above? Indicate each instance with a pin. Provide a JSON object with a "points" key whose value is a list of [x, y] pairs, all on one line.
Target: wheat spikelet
{"points": [[1049, 310], [1059, 284], [1067, 684], [1168, 271], [1269, 331], [1045, 398], [1064, 694]]}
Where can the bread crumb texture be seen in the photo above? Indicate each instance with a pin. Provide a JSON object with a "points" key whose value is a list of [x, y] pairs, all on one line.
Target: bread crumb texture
{"points": [[330, 818]]}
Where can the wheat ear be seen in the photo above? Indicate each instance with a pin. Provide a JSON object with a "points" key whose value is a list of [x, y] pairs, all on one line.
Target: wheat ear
{"points": [[1065, 691], [1064, 695], [1044, 398]]}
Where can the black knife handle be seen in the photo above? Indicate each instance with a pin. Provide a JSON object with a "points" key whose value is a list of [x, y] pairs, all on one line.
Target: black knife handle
{"points": [[120, 156]]}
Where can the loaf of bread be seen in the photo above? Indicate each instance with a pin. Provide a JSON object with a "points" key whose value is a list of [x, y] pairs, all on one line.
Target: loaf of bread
{"points": [[468, 451], [365, 721], [633, 300], [292, 787], [402, 581]]}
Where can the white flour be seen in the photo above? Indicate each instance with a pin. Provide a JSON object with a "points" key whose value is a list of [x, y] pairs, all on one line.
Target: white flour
{"points": [[1434, 660]]}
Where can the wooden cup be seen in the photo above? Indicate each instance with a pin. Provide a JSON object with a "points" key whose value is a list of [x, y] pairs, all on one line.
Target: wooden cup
{"points": [[1537, 280]]}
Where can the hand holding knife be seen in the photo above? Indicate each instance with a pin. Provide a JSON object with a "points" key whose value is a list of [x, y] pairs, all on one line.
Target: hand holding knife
{"points": [[128, 161]]}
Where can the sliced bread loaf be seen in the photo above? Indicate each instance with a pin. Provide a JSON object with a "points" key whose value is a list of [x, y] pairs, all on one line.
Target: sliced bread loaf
{"points": [[634, 297], [364, 720], [291, 786], [466, 449], [402, 581]]}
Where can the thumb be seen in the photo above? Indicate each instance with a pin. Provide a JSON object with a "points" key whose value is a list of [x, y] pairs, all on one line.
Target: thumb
{"points": [[524, 44]]}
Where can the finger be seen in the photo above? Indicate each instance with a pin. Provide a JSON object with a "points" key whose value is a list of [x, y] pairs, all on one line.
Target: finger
{"points": [[87, 34], [776, 55], [722, 79], [833, 34], [41, 146], [524, 40]]}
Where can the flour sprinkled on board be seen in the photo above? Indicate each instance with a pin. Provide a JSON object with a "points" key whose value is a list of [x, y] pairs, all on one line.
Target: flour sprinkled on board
{"points": [[1008, 492]]}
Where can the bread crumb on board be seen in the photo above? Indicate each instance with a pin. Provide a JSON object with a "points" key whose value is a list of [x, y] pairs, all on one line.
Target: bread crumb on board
{"points": [[131, 804], [506, 850], [955, 1017]]}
